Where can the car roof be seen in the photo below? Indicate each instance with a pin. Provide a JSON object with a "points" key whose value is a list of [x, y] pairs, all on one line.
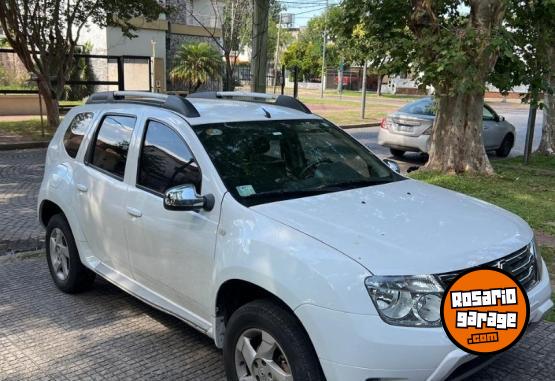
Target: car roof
{"points": [[209, 107], [224, 110]]}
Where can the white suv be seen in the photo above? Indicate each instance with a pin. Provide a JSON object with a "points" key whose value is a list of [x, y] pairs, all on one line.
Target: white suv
{"points": [[273, 232]]}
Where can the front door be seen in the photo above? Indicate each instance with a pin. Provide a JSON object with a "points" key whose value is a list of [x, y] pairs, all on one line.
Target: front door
{"points": [[101, 190], [172, 252]]}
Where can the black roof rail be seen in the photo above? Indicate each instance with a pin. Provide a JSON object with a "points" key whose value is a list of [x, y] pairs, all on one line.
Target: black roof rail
{"points": [[171, 102], [279, 100]]}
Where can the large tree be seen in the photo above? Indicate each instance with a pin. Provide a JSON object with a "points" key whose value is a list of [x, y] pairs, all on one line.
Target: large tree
{"points": [[453, 46], [529, 60], [44, 34]]}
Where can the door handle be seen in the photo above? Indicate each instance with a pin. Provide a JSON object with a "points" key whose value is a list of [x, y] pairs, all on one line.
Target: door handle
{"points": [[134, 212], [82, 188]]}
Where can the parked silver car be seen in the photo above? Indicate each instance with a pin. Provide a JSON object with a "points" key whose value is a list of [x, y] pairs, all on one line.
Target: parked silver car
{"points": [[409, 129]]}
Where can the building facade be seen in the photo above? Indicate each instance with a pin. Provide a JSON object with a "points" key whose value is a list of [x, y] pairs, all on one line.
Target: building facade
{"points": [[157, 41]]}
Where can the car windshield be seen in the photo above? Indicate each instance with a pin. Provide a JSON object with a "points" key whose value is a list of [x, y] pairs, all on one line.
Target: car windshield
{"points": [[424, 106], [266, 161]]}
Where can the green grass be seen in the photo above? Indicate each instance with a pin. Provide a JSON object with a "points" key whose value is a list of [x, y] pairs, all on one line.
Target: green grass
{"points": [[71, 103], [528, 191], [25, 130]]}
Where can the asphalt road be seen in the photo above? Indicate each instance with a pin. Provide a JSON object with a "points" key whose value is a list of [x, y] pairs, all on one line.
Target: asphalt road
{"points": [[518, 116]]}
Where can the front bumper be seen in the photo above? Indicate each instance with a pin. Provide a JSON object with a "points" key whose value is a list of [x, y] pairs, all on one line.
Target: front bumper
{"points": [[389, 139], [355, 347]]}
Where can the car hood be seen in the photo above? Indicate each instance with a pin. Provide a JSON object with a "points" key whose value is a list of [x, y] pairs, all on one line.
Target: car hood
{"points": [[405, 227]]}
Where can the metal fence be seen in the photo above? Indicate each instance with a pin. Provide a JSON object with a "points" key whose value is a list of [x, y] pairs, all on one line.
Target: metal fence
{"points": [[92, 72]]}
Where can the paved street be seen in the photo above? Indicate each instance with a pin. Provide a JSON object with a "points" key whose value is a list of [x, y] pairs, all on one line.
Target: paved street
{"points": [[104, 334], [20, 176]]}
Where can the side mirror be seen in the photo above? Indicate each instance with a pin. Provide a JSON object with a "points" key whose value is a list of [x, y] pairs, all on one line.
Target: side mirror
{"points": [[185, 197], [392, 165]]}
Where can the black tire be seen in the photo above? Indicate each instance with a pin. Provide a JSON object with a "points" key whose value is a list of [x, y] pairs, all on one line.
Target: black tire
{"points": [[506, 146], [284, 327], [398, 153], [79, 278]]}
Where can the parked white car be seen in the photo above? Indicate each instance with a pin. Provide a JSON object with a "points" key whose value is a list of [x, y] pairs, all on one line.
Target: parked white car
{"points": [[409, 129], [272, 231]]}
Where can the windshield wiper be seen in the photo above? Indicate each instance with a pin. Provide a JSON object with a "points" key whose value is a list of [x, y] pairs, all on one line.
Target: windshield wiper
{"points": [[286, 193], [352, 184]]}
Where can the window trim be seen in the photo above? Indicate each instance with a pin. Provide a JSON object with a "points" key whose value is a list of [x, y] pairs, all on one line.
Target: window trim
{"points": [[142, 142], [91, 122], [92, 143]]}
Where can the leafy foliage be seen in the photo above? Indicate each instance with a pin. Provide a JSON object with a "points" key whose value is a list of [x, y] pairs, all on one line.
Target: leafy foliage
{"points": [[306, 52], [526, 59], [196, 63]]}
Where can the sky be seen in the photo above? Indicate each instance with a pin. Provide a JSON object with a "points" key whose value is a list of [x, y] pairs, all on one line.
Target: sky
{"points": [[305, 10]]}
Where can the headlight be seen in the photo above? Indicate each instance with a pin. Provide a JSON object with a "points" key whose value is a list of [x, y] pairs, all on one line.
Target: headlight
{"points": [[539, 262], [412, 301]]}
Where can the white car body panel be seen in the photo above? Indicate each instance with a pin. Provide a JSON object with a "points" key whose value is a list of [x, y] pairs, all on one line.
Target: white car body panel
{"points": [[312, 253], [383, 232]]}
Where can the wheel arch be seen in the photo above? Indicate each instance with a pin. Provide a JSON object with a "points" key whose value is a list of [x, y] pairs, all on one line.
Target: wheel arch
{"points": [[47, 210], [234, 293]]}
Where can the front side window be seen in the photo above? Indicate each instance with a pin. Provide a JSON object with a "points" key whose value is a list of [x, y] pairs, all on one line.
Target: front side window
{"points": [[112, 143], [267, 161], [488, 114], [75, 132], [165, 160]]}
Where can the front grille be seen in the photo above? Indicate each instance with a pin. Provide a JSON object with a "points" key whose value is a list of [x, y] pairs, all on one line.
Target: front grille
{"points": [[521, 264]]}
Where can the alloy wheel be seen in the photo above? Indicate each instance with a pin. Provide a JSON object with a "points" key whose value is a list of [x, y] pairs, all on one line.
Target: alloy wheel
{"points": [[259, 357], [59, 254]]}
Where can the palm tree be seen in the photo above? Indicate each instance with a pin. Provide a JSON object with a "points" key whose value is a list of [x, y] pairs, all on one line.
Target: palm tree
{"points": [[196, 63]]}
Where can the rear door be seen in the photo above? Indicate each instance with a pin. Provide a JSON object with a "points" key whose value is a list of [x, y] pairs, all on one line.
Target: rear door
{"points": [[101, 189]]}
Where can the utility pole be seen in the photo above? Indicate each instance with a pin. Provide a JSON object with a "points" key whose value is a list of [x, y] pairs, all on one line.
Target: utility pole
{"points": [[153, 74], [277, 54], [530, 131], [363, 105], [325, 42]]}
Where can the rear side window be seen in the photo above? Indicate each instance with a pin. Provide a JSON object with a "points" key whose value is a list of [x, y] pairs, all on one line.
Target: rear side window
{"points": [[75, 132], [423, 106], [112, 143], [165, 160]]}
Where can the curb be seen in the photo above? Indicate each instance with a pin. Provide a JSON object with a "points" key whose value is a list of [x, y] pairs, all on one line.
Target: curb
{"points": [[23, 145], [361, 125]]}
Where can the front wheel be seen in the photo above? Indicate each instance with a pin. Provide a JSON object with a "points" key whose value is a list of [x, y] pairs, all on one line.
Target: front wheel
{"points": [[506, 146], [264, 341]]}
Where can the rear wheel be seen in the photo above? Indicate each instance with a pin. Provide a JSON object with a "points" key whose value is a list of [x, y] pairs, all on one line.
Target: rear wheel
{"points": [[398, 153], [264, 341], [62, 256], [506, 146]]}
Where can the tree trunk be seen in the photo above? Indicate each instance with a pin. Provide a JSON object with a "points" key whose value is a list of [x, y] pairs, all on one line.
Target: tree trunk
{"points": [[547, 142], [51, 103], [259, 59], [456, 142], [379, 89], [229, 83]]}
